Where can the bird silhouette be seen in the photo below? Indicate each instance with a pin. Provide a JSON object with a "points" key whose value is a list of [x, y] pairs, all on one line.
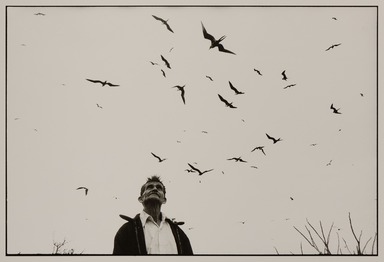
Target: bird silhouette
{"points": [[261, 148], [284, 75], [332, 46], [40, 14], [335, 111], [198, 171], [170, 50], [214, 42], [159, 158], [210, 78], [334, 18], [153, 63], [226, 102], [163, 73], [237, 159], [254, 167], [257, 71], [291, 198], [181, 88], [86, 189], [288, 86], [274, 139], [190, 170], [237, 92], [99, 106], [165, 61], [165, 22], [313, 144], [103, 83], [361, 94], [329, 163]]}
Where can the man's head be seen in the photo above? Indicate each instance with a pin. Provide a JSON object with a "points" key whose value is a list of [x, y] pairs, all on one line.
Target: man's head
{"points": [[153, 190]]}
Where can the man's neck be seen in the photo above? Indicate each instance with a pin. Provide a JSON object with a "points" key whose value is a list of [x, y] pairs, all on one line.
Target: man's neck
{"points": [[154, 210]]}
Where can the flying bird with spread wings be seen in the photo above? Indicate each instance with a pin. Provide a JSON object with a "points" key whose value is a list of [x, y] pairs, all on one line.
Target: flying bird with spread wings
{"points": [[103, 83], [99, 106], [274, 139], [85, 189], [181, 88], [210, 78], [226, 102], [198, 171], [165, 61], [237, 159], [261, 148], [257, 71], [288, 86], [165, 22], [335, 111], [159, 158], [332, 46], [214, 42], [237, 92]]}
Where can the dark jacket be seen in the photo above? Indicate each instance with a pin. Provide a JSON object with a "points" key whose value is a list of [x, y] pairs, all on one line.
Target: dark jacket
{"points": [[130, 240]]}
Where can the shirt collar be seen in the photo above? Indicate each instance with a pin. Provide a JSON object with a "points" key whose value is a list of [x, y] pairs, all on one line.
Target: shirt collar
{"points": [[144, 217]]}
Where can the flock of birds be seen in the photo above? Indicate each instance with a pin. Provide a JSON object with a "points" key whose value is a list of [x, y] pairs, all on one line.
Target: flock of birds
{"points": [[214, 43]]}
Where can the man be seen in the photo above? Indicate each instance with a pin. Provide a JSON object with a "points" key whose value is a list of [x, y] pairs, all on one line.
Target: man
{"points": [[151, 232]]}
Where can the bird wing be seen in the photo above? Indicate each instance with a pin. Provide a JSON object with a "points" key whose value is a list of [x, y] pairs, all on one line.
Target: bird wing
{"points": [[270, 137], [156, 156], [94, 81], [206, 35], [222, 49], [206, 171], [168, 27], [166, 62], [233, 88], [110, 84], [158, 18], [194, 168], [223, 100], [182, 95]]}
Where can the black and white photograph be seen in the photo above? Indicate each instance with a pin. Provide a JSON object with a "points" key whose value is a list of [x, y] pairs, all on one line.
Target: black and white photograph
{"points": [[183, 129]]}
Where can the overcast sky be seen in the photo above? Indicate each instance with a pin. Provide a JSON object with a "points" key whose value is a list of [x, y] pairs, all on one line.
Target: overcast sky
{"points": [[60, 139]]}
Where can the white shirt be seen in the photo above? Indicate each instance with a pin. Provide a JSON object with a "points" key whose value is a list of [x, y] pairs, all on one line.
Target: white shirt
{"points": [[159, 239]]}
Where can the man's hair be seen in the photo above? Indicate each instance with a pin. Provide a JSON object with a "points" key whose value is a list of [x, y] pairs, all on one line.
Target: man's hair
{"points": [[151, 179]]}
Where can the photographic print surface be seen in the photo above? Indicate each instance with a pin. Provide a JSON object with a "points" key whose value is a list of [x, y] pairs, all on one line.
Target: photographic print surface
{"points": [[277, 104]]}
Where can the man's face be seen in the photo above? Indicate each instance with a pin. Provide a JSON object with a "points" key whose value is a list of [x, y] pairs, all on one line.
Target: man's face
{"points": [[153, 191]]}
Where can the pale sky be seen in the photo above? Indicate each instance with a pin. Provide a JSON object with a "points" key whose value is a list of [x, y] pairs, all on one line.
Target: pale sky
{"points": [[59, 139]]}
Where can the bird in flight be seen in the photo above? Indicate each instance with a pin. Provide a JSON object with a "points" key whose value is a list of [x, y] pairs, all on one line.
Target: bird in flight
{"points": [[153, 63], [214, 42], [274, 139], [190, 170], [254, 167], [257, 71], [361, 94], [329, 163], [226, 102], [334, 18], [165, 22], [210, 78], [237, 92], [166, 62], [103, 83], [288, 86], [198, 171], [237, 159], [332, 46], [181, 88], [163, 73], [99, 106], [159, 158], [313, 144], [261, 148], [336, 111], [40, 14], [284, 75], [86, 189], [291, 198]]}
